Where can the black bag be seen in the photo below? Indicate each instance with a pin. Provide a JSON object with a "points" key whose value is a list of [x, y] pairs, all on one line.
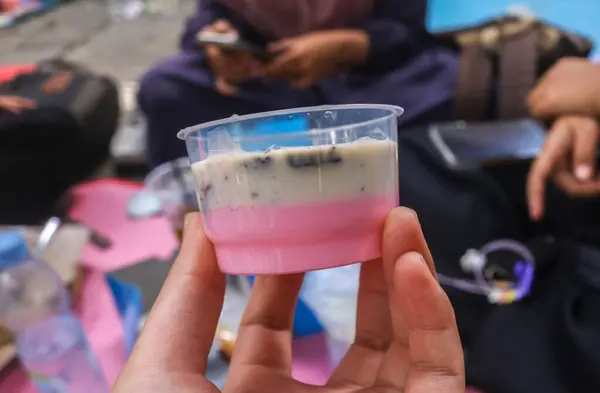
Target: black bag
{"points": [[46, 150], [548, 342]]}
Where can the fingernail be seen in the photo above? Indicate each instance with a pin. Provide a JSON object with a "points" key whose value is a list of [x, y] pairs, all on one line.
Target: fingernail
{"points": [[420, 258], [583, 172], [414, 213]]}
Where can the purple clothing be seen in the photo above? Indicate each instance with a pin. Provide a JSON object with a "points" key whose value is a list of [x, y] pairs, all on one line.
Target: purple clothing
{"points": [[402, 69], [290, 18]]}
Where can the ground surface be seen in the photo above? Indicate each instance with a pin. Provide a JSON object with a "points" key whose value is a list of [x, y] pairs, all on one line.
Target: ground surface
{"points": [[83, 31]]}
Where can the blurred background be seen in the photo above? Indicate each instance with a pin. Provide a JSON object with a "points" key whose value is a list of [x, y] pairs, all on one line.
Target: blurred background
{"points": [[110, 225]]}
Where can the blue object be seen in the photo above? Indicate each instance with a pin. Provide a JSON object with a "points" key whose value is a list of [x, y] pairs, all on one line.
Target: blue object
{"points": [[276, 126], [50, 340], [305, 321], [128, 299], [13, 249]]}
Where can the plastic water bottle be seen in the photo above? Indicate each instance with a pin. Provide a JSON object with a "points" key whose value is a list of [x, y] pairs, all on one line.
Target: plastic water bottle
{"points": [[34, 305]]}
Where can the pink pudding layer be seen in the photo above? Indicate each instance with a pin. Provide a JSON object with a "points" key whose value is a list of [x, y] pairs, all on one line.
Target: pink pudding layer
{"points": [[298, 238]]}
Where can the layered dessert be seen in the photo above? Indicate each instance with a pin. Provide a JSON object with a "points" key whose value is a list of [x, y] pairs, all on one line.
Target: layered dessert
{"points": [[296, 209]]}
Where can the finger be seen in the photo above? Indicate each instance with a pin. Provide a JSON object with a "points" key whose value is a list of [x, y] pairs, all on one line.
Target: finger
{"points": [[284, 65], [12, 108], [373, 331], [214, 53], [225, 88], [279, 46], [572, 186], [181, 327], [435, 352], [304, 82], [585, 148], [402, 234], [265, 334], [555, 148], [24, 103], [223, 26]]}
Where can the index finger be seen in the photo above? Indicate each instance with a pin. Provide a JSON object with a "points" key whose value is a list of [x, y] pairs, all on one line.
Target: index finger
{"points": [[181, 327], [557, 143]]}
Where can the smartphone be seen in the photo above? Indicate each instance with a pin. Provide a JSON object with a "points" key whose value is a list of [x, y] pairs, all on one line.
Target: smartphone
{"points": [[232, 43], [472, 145]]}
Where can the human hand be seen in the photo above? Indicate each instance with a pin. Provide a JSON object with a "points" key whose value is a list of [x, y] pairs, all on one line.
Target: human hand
{"points": [[569, 157], [571, 87], [16, 104], [307, 59], [230, 68], [406, 335]]}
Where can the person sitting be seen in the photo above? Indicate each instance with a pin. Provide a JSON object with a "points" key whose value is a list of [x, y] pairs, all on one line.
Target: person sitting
{"points": [[570, 93], [326, 52]]}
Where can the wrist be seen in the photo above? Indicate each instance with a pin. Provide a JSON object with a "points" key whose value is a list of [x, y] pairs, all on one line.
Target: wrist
{"points": [[353, 47]]}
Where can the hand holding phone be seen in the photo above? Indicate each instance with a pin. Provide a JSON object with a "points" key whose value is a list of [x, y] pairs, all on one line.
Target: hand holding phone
{"points": [[230, 65]]}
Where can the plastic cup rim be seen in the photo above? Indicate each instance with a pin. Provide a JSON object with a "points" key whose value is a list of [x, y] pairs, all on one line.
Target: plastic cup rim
{"points": [[394, 110], [161, 170]]}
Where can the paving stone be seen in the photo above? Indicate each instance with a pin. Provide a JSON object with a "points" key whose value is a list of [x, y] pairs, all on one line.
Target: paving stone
{"points": [[82, 31], [127, 49]]}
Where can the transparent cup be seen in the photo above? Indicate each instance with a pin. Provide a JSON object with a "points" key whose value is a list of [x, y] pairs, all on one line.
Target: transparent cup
{"points": [[173, 184], [296, 190]]}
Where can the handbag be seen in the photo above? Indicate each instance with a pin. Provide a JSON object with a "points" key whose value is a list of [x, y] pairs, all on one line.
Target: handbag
{"points": [[547, 341], [500, 61], [46, 150]]}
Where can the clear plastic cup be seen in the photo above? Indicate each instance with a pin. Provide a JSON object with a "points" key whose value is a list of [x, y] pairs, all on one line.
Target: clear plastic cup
{"points": [[296, 190], [173, 184]]}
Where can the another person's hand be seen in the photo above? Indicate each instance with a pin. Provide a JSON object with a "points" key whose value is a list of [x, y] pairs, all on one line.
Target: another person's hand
{"points": [[571, 87], [16, 104], [569, 158], [307, 59], [406, 334], [230, 68]]}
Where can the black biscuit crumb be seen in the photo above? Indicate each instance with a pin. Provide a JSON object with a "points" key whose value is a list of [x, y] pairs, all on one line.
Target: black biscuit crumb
{"points": [[302, 160], [264, 160], [333, 156], [315, 159]]}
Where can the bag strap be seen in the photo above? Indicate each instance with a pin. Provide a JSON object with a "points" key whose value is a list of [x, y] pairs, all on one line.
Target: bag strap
{"points": [[474, 83], [517, 72]]}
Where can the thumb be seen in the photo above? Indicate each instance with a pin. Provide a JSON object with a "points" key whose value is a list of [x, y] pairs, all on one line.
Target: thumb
{"points": [[223, 26]]}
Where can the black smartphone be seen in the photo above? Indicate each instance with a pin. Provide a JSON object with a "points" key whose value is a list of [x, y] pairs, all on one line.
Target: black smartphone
{"points": [[232, 43], [472, 145]]}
